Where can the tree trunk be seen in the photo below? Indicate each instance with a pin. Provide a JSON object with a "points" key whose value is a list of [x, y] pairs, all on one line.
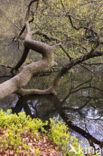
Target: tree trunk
{"points": [[17, 83], [20, 80]]}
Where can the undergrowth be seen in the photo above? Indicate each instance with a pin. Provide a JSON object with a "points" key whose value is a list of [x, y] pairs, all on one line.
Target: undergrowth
{"points": [[15, 129]]}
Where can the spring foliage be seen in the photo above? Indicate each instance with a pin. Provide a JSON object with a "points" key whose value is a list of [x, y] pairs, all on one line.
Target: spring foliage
{"points": [[19, 127]]}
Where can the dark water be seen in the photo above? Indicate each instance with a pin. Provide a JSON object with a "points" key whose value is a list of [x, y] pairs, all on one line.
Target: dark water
{"points": [[79, 104]]}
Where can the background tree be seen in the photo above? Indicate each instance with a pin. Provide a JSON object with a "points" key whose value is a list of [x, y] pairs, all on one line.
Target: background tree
{"points": [[74, 28]]}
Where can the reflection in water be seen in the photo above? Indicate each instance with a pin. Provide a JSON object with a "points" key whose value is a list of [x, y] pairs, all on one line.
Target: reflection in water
{"points": [[79, 104], [46, 107], [37, 106]]}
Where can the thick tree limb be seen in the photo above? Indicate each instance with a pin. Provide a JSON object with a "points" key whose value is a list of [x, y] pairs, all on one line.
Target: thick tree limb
{"points": [[48, 91], [58, 41], [21, 79], [26, 50], [64, 70], [16, 83]]}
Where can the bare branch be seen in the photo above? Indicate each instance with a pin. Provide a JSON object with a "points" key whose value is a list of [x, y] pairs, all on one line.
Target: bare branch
{"points": [[27, 17], [29, 6], [58, 41], [73, 63], [67, 54], [46, 36], [83, 27]]}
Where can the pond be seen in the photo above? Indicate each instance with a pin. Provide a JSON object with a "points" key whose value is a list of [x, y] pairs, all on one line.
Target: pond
{"points": [[79, 103]]}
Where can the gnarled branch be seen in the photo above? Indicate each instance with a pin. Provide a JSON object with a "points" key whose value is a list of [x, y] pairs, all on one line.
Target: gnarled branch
{"points": [[20, 80]]}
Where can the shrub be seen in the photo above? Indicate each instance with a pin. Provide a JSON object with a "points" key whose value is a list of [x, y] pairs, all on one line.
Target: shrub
{"points": [[17, 128]]}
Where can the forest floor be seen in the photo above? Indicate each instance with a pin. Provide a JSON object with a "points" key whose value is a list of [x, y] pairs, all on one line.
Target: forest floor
{"points": [[42, 146]]}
